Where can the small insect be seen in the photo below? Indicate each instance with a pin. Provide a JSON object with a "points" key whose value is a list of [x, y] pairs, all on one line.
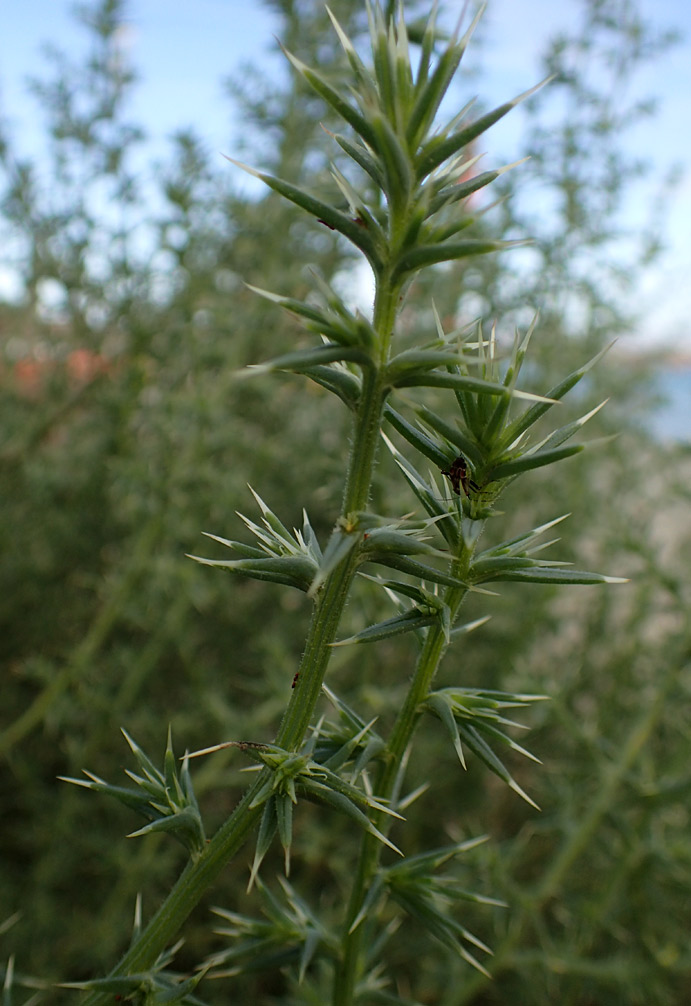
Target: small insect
{"points": [[295, 680], [457, 474]]}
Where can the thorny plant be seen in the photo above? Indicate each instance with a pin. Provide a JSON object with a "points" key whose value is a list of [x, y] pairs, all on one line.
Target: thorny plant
{"points": [[403, 204]]}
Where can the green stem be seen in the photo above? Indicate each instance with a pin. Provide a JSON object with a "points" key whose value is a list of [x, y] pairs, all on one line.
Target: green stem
{"points": [[198, 875], [332, 599], [186, 893], [315, 658], [350, 966]]}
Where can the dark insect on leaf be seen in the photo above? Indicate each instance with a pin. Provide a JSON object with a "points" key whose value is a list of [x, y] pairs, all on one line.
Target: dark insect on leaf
{"points": [[457, 474], [295, 680]]}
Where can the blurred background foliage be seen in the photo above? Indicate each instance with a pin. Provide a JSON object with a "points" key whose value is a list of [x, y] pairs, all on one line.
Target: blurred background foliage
{"points": [[125, 433]]}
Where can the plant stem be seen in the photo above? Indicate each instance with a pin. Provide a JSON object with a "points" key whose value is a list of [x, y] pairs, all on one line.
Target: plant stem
{"points": [[331, 601], [322, 633], [199, 874], [349, 969]]}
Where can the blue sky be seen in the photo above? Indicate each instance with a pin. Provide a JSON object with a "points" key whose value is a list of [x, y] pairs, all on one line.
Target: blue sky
{"points": [[184, 48]]}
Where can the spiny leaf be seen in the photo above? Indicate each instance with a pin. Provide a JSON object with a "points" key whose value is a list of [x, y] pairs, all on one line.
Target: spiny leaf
{"points": [[397, 542], [421, 256], [567, 576], [325, 212], [346, 806], [267, 830], [341, 383], [488, 569], [343, 108], [356, 64], [341, 327], [531, 415], [414, 436], [519, 544], [398, 174], [420, 360], [409, 621], [301, 360], [564, 433], [292, 571], [340, 544], [461, 190], [430, 89], [460, 440], [463, 382], [417, 569], [527, 462], [361, 156], [443, 147]]}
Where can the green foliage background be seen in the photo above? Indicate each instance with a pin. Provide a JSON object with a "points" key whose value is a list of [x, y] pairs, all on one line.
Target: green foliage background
{"points": [[107, 480]]}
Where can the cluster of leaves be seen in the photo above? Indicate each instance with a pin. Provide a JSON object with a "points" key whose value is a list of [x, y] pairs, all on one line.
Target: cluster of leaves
{"points": [[145, 454], [393, 124], [108, 475], [159, 985], [166, 799]]}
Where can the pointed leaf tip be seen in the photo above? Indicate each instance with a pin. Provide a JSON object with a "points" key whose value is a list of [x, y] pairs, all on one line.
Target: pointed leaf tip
{"points": [[522, 793], [245, 167]]}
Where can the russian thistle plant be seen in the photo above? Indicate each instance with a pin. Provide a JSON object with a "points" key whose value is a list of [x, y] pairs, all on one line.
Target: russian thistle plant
{"points": [[401, 187]]}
